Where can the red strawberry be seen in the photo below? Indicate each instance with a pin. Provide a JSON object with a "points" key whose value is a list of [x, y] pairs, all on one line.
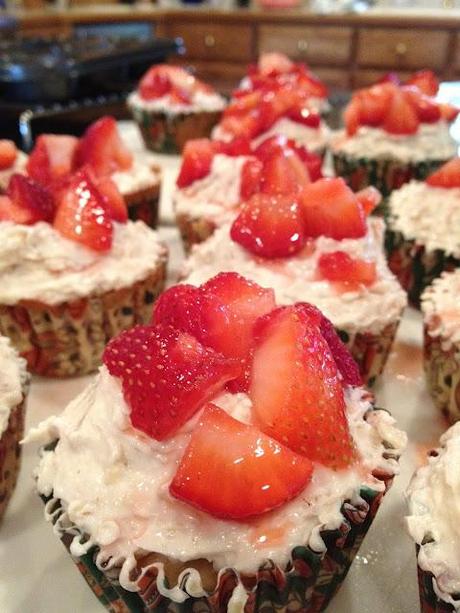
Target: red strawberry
{"points": [[274, 63], [8, 153], [237, 146], [330, 208], [446, 176], [243, 104], [369, 198], [28, 203], [247, 125], [269, 226], [312, 162], [295, 388], [372, 105], [179, 95], [279, 143], [310, 84], [154, 84], [284, 173], [81, 213], [196, 161], [427, 109], [426, 81], [181, 307], [251, 178], [113, 201], [448, 112], [167, 376], [51, 159], [352, 116], [340, 267], [400, 115], [305, 116], [253, 473], [102, 148], [390, 77]]}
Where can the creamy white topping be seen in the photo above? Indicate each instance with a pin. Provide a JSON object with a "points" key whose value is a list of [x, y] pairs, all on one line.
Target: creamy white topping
{"points": [[201, 101], [113, 483], [441, 308], [294, 278], [13, 378], [140, 176], [432, 141], [434, 515], [216, 195], [38, 263], [428, 215], [18, 166]]}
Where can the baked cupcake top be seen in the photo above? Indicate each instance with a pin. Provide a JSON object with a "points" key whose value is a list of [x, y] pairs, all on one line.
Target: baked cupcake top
{"points": [[13, 378], [441, 309], [433, 523], [11, 160], [172, 90], [428, 212], [151, 428]]}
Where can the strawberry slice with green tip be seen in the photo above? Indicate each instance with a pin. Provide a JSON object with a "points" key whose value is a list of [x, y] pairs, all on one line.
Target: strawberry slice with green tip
{"points": [[330, 208], [254, 472], [296, 390], [350, 272], [284, 173], [8, 153], [426, 81], [400, 116], [166, 375], [196, 161], [26, 202], [446, 176], [369, 198], [269, 226], [51, 159]]}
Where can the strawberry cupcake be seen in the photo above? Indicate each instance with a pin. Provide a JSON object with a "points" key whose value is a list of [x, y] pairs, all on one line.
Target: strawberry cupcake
{"points": [[74, 271], [424, 229], [394, 133], [171, 106], [13, 389], [433, 523], [216, 176], [272, 519], [11, 161], [315, 246], [441, 319]]}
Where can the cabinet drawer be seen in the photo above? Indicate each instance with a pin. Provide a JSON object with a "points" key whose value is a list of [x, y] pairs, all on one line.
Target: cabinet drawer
{"points": [[213, 41], [320, 45], [393, 48], [364, 78]]}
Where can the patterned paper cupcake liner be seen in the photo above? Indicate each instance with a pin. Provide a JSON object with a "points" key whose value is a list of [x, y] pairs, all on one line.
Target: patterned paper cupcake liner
{"points": [[385, 175], [429, 600], [144, 205], [415, 267], [193, 230], [168, 133], [68, 338]]}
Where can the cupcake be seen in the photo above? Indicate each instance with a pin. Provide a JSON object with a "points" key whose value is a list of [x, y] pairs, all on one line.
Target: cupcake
{"points": [[11, 161], [441, 319], [216, 176], [424, 229], [393, 133], [73, 271], [318, 247], [171, 107], [272, 518], [13, 388], [433, 524]]}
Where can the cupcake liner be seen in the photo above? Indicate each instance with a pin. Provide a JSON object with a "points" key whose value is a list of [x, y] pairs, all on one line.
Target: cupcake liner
{"points": [[68, 338], [144, 205], [168, 133], [441, 362], [193, 230], [10, 454], [415, 267], [429, 600], [385, 175]]}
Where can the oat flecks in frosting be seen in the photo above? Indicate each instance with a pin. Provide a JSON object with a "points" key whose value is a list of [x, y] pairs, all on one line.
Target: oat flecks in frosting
{"points": [[37, 263], [429, 215], [140, 176], [434, 515], [431, 142], [441, 308], [294, 279], [13, 376], [201, 101]]}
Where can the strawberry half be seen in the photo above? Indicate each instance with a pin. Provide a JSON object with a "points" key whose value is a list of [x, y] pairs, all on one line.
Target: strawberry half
{"points": [[274, 63], [251, 178], [167, 375], [426, 81], [26, 202], [448, 112], [369, 198], [330, 208], [284, 173], [296, 390], [113, 201], [269, 226], [8, 153], [427, 109], [400, 116], [234, 147], [154, 84], [196, 161], [181, 307], [233, 471], [446, 176], [51, 159], [339, 267]]}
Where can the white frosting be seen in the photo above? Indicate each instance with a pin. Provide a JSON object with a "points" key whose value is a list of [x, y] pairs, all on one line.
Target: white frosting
{"points": [[13, 378], [215, 196], [18, 166], [432, 141], [429, 215], [294, 278], [139, 177], [441, 308], [201, 101], [434, 514], [113, 483], [38, 263]]}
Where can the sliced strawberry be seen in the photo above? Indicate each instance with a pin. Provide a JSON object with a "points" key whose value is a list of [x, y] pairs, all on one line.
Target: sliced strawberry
{"points": [[390, 77], [254, 473], [369, 198], [235, 147], [196, 161], [296, 390], [372, 106], [310, 84], [154, 84], [330, 208], [251, 178], [446, 176], [30, 202], [349, 272], [167, 375], [102, 148], [113, 201], [243, 104], [181, 307], [51, 158], [81, 213], [273, 144], [352, 116], [448, 111], [427, 109], [274, 63], [179, 95], [312, 162], [284, 173], [8, 153], [269, 226], [305, 116], [426, 81], [247, 125], [400, 116]]}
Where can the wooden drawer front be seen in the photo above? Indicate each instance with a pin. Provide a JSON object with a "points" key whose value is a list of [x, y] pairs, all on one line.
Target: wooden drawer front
{"points": [[364, 78], [392, 48], [321, 45], [213, 41], [456, 59]]}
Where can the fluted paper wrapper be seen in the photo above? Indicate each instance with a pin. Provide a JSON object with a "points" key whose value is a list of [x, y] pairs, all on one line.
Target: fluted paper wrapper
{"points": [[143, 204], [429, 600]]}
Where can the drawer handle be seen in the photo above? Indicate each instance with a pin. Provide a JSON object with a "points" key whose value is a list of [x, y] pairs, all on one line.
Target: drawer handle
{"points": [[209, 40], [302, 45], [401, 49]]}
